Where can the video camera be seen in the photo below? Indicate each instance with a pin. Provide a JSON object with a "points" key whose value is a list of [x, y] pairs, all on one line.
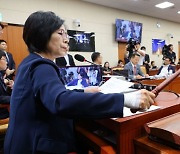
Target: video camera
{"points": [[165, 51], [131, 46]]}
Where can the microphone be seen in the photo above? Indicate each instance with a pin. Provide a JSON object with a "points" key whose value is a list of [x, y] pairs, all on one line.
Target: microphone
{"points": [[82, 59]]}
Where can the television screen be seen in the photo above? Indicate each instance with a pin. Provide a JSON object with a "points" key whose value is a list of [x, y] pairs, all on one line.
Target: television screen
{"points": [[76, 77], [81, 41], [128, 29]]}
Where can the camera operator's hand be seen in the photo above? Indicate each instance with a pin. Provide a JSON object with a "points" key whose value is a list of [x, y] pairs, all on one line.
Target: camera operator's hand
{"points": [[141, 99]]}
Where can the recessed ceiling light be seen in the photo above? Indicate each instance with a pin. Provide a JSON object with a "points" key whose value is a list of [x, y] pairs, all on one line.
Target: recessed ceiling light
{"points": [[178, 12], [164, 5]]}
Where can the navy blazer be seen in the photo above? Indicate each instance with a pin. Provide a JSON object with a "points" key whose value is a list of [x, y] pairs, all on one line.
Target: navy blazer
{"points": [[129, 67], [170, 67], [11, 63], [61, 61], [42, 109]]}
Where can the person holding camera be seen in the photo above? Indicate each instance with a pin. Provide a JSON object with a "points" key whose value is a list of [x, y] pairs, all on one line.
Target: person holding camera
{"points": [[140, 52], [171, 54]]}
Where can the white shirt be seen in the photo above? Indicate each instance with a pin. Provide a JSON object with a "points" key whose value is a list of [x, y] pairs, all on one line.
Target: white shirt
{"points": [[141, 58], [67, 60], [164, 71]]}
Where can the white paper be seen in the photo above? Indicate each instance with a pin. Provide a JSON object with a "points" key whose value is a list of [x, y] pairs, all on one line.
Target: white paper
{"points": [[127, 112], [114, 85]]}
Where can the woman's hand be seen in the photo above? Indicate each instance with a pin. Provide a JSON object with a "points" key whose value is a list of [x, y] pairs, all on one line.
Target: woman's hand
{"points": [[92, 89]]}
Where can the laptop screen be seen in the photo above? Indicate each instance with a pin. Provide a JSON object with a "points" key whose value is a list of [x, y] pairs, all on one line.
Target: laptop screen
{"points": [[78, 77]]}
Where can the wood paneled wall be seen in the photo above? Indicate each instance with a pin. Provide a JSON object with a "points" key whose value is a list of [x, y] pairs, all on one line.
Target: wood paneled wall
{"points": [[13, 35], [121, 50]]}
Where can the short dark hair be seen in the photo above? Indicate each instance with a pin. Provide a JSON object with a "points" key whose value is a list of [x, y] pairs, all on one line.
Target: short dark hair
{"points": [[135, 54], [38, 29], [2, 54], [2, 25], [143, 48], [170, 59], [95, 55], [152, 62], [120, 61], [1, 41]]}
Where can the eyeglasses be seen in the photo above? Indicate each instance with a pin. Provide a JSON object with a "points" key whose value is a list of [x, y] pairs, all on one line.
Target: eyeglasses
{"points": [[63, 34]]}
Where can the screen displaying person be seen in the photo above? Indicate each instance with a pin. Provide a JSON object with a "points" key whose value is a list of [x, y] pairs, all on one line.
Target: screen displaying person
{"points": [[42, 109]]}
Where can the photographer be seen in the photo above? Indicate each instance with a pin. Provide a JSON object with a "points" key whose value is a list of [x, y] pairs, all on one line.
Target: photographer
{"points": [[171, 54], [167, 51]]}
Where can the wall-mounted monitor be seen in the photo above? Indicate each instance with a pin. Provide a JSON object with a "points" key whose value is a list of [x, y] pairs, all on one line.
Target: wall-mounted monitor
{"points": [[128, 29], [81, 41]]}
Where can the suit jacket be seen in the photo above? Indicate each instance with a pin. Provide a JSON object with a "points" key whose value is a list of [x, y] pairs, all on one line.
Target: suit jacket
{"points": [[146, 58], [61, 61], [42, 109], [130, 69], [170, 67], [4, 99], [11, 63]]}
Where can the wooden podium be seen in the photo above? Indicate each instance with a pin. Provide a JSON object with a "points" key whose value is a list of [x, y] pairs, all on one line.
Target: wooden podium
{"points": [[165, 130], [127, 129]]}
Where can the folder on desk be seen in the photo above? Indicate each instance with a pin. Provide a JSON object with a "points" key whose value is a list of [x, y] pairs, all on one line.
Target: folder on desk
{"points": [[165, 130]]}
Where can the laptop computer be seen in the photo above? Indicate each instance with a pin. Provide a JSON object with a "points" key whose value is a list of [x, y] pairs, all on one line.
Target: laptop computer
{"points": [[79, 77]]}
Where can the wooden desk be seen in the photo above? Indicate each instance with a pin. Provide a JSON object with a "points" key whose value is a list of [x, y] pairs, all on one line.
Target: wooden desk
{"points": [[153, 72], [144, 144], [128, 128], [173, 86]]}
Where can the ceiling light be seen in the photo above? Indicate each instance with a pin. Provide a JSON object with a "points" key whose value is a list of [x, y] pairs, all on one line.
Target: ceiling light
{"points": [[164, 5], [178, 12]]}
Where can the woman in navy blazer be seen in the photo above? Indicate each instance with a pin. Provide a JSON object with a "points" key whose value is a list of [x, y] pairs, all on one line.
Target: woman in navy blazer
{"points": [[42, 109]]}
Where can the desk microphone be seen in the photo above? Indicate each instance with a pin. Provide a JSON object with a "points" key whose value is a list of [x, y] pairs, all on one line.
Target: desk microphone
{"points": [[82, 59]]}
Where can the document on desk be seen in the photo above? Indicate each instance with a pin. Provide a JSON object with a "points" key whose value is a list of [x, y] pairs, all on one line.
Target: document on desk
{"points": [[114, 85], [127, 112]]}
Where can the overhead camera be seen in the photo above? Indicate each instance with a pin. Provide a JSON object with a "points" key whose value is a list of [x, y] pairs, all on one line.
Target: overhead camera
{"points": [[170, 35], [77, 22]]}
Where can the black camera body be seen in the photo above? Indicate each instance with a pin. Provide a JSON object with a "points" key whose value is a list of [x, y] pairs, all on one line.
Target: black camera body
{"points": [[131, 46], [165, 51]]}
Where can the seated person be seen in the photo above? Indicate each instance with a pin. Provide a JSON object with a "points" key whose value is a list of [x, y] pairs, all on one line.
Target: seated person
{"points": [[120, 64], [67, 60], [166, 68], [80, 82], [5, 87], [153, 66], [134, 70], [106, 68], [10, 61], [97, 59]]}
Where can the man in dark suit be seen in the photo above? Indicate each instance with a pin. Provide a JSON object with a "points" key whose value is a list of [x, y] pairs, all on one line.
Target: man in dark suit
{"points": [[134, 70], [146, 60], [67, 60], [5, 87], [10, 61], [166, 68]]}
